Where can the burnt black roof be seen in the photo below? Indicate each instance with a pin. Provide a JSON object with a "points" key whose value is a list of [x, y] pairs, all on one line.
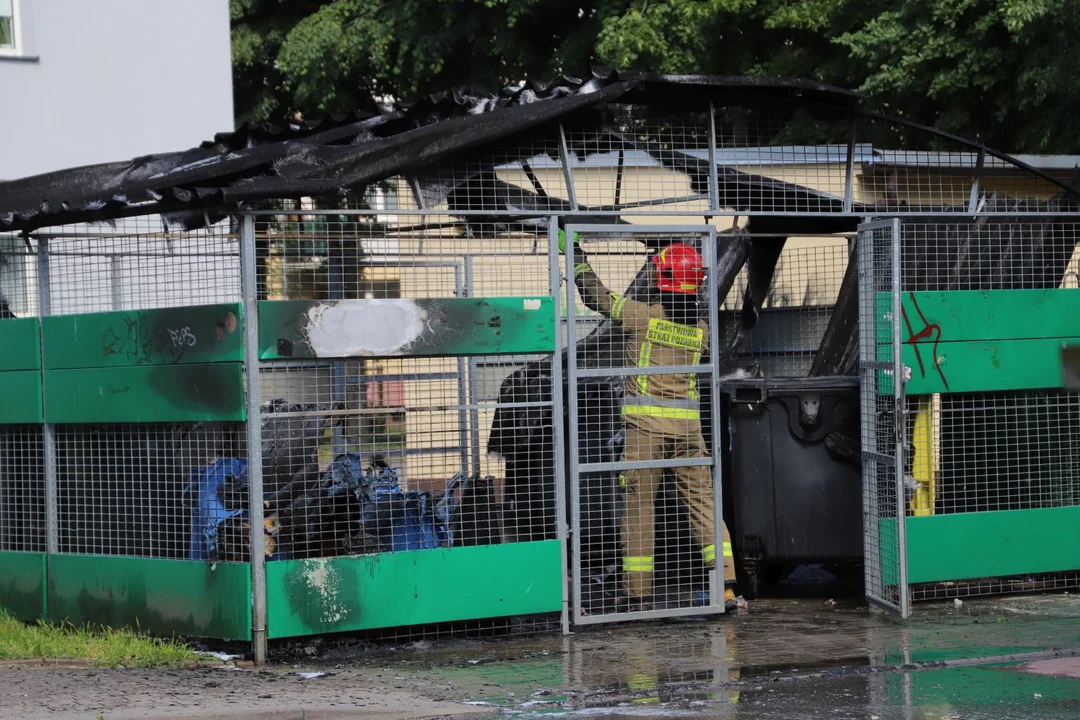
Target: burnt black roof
{"points": [[347, 151]]}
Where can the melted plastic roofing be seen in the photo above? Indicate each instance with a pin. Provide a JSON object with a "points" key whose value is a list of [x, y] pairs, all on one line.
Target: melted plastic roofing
{"points": [[341, 152]]}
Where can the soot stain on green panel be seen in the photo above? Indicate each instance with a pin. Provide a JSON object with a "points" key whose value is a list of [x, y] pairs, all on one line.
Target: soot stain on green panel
{"points": [[130, 597], [22, 594], [197, 387]]}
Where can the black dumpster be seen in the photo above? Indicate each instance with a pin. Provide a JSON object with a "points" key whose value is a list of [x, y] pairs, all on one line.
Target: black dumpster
{"points": [[796, 500]]}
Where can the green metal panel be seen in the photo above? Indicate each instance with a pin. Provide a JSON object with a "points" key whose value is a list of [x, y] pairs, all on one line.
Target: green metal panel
{"points": [[959, 315], [146, 393], [966, 546], [21, 393], [185, 597], [405, 328], [984, 365], [168, 336], [19, 339], [309, 597], [22, 584], [973, 340]]}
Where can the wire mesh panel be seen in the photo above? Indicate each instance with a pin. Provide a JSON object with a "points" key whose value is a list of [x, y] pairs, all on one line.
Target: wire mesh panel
{"points": [[424, 419], [22, 489], [644, 486], [776, 330], [139, 264], [881, 399], [137, 488], [147, 490], [986, 306]]}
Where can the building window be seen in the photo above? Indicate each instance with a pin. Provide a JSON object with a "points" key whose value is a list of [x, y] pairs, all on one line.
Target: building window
{"points": [[8, 37]]}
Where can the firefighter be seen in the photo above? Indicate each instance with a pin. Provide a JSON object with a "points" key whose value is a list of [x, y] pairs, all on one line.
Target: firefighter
{"points": [[661, 412]]}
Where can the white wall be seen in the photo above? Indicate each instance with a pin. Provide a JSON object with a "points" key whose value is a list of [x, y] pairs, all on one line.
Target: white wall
{"points": [[112, 80]]}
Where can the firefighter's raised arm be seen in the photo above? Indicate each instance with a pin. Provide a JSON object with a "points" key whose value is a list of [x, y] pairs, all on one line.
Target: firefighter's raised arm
{"points": [[593, 292]]}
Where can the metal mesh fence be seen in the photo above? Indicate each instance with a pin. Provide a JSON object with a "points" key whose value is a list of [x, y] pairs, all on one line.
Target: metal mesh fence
{"points": [[22, 488], [881, 525], [792, 314], [642, 466], [912, 170], [384, 453], [972, 452], [138, 265], [142, 490]]}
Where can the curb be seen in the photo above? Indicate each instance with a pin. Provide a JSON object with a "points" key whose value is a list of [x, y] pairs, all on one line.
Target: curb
{"points": [[309, 714], [90, 663]]}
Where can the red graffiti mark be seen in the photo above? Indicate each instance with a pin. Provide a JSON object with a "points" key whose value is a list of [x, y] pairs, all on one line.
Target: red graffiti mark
{"points": [[930, 330]]}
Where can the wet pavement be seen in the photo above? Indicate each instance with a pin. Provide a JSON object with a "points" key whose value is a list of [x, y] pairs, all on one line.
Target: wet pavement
{"points": [[1016, 657], [992, 659]]}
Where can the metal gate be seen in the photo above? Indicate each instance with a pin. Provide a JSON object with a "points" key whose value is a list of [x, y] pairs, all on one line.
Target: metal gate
{"points": [[663, 459], [884, 426]]}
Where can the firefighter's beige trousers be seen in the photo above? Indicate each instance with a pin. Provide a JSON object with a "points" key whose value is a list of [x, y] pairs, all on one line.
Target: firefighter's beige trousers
{"points": [[654, 438]]}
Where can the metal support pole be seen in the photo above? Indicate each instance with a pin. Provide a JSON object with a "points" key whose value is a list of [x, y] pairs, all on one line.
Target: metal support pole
{"points": [[572, 429], [901, 419], [249, 288], [48, 435], [849, 168], [564, 158], [337, 367], [555, 283], [716, 598], [973, 199], [714, 179], [473, 391]]}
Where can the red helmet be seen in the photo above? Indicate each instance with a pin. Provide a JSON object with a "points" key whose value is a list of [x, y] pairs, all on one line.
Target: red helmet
{"points": [[679, 268]]}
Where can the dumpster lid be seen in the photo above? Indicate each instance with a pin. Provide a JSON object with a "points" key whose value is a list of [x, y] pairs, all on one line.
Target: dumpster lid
{"points": [[780, 384]]}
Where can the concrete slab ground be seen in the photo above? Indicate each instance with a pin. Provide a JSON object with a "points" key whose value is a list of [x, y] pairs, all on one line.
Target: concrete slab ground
{"points": [[996, 658]]}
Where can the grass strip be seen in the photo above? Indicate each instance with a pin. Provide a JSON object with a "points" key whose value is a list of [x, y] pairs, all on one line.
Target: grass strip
{"points": [[105, 646]]}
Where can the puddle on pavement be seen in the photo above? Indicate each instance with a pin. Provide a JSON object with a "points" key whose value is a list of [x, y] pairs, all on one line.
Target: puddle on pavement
{"points": [[785, 658]]}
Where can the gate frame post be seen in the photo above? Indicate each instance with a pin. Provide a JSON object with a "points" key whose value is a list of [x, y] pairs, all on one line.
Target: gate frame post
{"points": [[253, 428], [557, 400], [900, 422], [48, 435]]}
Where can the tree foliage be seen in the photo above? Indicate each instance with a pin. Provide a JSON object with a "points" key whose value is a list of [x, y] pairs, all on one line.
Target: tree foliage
{"points": [[997, 70]]}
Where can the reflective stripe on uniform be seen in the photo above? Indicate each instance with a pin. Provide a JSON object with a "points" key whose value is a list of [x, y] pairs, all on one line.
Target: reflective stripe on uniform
{"points": [[581, 269], [637, 564], [691, 391], [659, 411], [708, 553], [617, 306], [644, 354], [622, 479]]}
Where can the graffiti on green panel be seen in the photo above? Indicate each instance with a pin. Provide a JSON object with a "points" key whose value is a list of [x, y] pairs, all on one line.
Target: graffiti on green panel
{"points": [[185, 597], [167, 336], [404, 328], [19, 339], [1010, 542], [975, 340], [146, 393], [416, 587], [959, 315], [21, 393], [22, 584]]}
